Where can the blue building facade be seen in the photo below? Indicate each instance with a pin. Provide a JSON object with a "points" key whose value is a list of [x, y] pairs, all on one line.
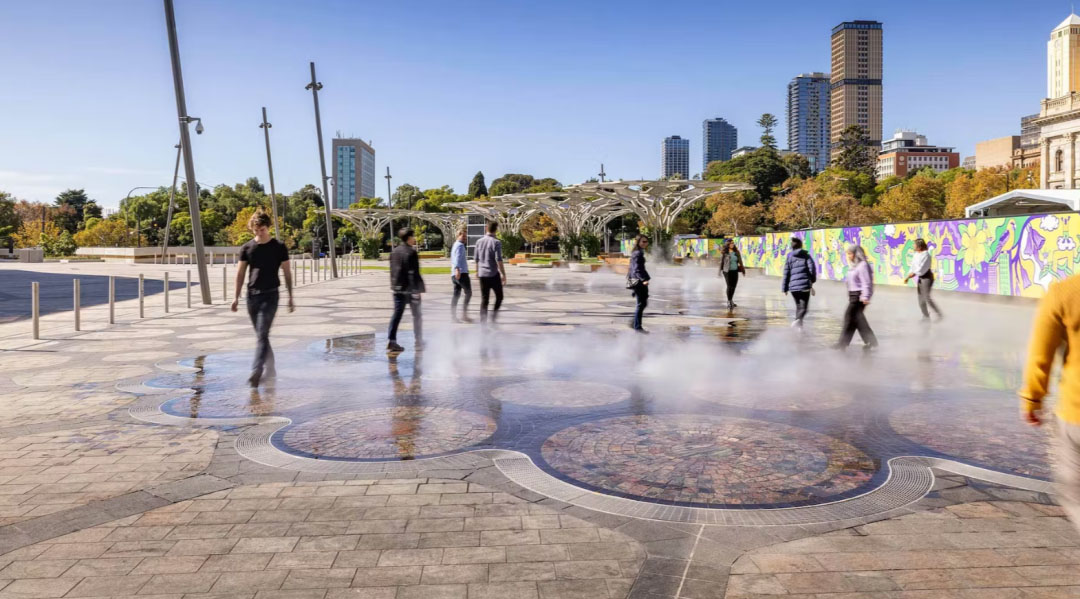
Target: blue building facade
{"points": [[354, 171], [808, 116], [719, 139], [675, 159]]}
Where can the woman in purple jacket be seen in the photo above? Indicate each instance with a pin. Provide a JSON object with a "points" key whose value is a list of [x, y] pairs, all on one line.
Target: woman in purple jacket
{"points": [[860, 285]]}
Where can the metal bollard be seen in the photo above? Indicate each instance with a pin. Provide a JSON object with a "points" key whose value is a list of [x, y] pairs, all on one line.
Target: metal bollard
{"points": [[142, 312], [35, 314], [166, 293], [224, 284], [75, 295], [112, 300], [189, 289]]}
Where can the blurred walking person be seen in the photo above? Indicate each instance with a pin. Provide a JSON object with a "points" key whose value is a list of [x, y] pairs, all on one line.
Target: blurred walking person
{"points": [[263, 255], [490, 271], [800, 274], [924, 278], [860, 286], [460, 278], [731, 266], [637, 280], [1057, 326], [407, 285]]}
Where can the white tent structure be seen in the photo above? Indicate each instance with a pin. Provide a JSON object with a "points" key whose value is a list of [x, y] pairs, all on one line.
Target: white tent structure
{"points": [[1020, 202]]}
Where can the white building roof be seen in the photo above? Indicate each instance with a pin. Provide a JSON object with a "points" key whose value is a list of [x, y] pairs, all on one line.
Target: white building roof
{"points": [[1028, 201], [1072, 20]]}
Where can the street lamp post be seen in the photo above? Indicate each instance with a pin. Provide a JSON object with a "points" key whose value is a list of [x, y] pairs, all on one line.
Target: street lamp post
{"points": [[185, 142], [315, 86], [265, 126], [172, 198], [138, 237], [389, 206]]}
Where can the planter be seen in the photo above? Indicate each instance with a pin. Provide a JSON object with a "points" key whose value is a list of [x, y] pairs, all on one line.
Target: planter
{"points": [[536, 265], [584, 267]]}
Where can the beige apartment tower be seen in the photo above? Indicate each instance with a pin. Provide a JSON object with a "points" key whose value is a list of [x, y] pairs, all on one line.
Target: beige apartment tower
{"points": [[855, 94]]}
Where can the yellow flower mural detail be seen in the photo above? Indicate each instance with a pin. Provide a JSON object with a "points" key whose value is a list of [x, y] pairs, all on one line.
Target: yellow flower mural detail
{"points": [[974, 242]]}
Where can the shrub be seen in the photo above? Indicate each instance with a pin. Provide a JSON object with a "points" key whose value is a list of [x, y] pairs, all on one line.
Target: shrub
{"points": [[591, 244], [569, 246], [369, 247], [511, 244]]}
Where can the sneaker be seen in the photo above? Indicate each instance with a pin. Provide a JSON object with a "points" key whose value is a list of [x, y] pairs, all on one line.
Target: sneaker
{"points": [[253, 380], [455, 319], [418, 346], [796, 324], [642, 331], [466, 319], [393, 347]]}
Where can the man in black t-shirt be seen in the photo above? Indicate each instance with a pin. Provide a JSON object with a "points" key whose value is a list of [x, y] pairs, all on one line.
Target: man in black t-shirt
{"points": [[263, 255]]}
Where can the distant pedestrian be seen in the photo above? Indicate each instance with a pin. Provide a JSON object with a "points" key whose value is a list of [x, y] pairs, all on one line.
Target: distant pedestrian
{"points": [[264, 255], [860, 285], [1057, 325], [637, 280], [459, 262], [924, 278], [407, 285], [731, 266], [800, 274], [490, 271]]}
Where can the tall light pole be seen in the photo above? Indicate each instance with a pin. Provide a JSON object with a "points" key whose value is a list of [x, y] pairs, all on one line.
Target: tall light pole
{"points": [[138, 231], [389, 206], [172, 198], [265, 126], [602, 173], [315, 86], [189, 162]]}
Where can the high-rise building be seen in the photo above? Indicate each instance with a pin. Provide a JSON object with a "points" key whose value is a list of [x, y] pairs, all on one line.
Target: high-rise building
{"points": [[909, 151], [354, 171], [856, 80], [675, 159], [1063, 59], [1059, 118], [718, 139], [808, 118]]}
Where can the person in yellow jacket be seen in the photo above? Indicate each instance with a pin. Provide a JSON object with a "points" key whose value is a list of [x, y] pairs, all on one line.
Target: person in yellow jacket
{"points": [[1057, 325]]}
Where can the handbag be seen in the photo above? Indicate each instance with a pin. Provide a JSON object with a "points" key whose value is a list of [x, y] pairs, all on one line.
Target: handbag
{"points": [[631, 283]]}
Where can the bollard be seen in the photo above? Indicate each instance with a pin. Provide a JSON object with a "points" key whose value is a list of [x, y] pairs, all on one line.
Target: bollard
{"points": [[224, 284], [142, 312], [75, 295], [34, 313], [189, 289], [293, 274], [112, 300], [166, 293]]}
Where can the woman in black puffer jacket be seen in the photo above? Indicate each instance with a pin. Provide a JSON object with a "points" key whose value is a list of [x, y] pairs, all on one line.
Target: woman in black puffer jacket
{"points": [[637, 280], [800, 274]]}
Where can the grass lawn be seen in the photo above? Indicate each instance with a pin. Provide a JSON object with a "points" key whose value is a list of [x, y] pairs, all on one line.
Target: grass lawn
{"points": [[424, 270]]}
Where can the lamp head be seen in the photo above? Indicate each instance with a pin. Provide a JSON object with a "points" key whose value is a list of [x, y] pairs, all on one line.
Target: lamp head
{"points": [[198, 127]]}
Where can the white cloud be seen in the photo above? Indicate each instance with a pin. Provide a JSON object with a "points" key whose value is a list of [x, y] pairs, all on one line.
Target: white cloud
{"points": [[1049, 223]]}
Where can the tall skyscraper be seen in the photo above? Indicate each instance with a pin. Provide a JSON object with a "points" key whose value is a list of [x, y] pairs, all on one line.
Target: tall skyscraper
{"points": [[354, 171], [718, 139], [1063, 59], [808, 118], [856, 80], [675, 159]]}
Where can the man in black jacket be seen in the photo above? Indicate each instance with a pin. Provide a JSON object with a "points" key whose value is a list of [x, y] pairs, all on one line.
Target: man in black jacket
{"points": [[407, 285]]}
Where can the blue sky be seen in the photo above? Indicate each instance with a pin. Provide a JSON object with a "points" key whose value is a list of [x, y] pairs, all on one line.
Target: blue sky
{"points": [[445, 89]]}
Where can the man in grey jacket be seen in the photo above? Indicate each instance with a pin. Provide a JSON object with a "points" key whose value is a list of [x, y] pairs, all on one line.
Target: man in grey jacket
{"points": [[800, 274]]}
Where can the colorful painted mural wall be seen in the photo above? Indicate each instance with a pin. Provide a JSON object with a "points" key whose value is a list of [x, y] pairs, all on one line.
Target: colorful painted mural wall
{"points": [[1014, 255]]}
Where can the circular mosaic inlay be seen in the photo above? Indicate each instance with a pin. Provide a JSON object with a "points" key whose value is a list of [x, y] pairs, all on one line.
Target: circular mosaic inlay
{"points": [[985, 430], [707, 460], [561, 394], [387, 433]]}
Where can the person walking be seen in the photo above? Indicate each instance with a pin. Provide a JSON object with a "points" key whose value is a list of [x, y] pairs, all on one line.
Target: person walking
{"points": [[263, 255], [860, 285], [800, 274], [407, 285], [637, 280], [490, 271], [460, 278], [731, 266], [1057, 325], [920, 268]]}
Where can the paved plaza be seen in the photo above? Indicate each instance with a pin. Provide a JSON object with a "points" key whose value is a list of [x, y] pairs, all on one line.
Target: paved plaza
{"points": [[555, 455]]}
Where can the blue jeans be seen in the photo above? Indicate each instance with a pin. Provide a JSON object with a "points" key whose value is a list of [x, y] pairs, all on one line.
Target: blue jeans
{"points": [[413, 302], [262, 308]]}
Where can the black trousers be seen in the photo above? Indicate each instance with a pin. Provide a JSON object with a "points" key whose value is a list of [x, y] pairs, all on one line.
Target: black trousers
{"points": [[855, 319], [487, 285], [413, 302], [641, 292], [262, 308], [925, 284], [802, 304], [461, 285], [732, 279]]}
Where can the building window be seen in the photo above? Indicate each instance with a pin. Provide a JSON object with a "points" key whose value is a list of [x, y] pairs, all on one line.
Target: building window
{"points": [[1059, 161]]}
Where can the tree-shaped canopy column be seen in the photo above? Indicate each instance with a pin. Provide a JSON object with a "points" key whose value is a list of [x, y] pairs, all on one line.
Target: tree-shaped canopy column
{"points": [[509, 214]]}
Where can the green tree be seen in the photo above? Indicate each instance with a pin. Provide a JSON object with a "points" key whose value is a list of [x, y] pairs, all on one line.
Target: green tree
{"points": [[856, 154], [767, 122], [9, 218], [510, 183], [406, 196], [477, 188], [763, 168], [71, 204], [798, 166]]}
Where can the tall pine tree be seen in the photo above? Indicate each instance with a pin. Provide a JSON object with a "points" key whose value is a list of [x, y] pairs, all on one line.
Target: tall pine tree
{"points": [[477, 187]]}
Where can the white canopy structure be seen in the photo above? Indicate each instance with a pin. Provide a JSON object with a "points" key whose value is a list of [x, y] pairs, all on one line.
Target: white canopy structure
{"points": [[1020, 202], [509, 214], [369, 221]]}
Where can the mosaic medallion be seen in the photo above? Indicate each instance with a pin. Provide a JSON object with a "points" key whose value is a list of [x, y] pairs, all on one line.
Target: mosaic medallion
{"points": [[388, 433], [561, 394], [708, 460], [985, 430]]}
